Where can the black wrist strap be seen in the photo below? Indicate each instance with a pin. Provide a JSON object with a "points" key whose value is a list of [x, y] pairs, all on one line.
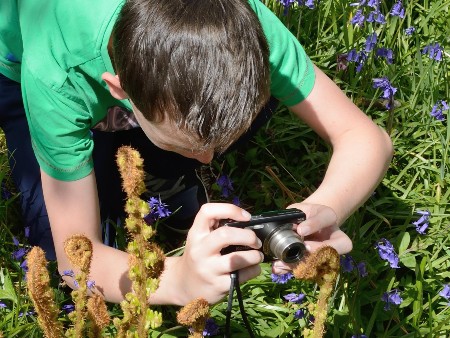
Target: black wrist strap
{"points": [[235, 285]]}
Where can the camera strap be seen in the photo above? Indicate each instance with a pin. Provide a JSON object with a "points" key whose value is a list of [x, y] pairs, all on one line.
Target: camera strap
{"points": [[235, 286]]}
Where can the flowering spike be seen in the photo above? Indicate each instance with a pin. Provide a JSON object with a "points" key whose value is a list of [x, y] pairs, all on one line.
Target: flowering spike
{"points": [[38, 282], [195, 315], [321, 267]]}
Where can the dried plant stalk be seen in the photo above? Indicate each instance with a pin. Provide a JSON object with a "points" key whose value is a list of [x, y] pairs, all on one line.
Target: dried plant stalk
{"points": [[194, 315], [38, 282], [321, 267], [146, 260]]}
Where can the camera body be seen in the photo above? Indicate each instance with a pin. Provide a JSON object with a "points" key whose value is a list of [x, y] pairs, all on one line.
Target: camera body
{"points": [[274, 229]]}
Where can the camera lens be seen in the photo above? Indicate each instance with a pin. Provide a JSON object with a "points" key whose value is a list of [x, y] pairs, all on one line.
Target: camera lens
{"points": [[287, 245]]}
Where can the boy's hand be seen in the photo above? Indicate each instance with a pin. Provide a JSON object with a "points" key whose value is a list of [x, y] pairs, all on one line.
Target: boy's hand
{"points": [[203, 271], [319, 229]]}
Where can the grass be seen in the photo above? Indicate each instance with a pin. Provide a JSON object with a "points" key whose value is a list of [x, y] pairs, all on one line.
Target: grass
{"points": [[287, 160]]}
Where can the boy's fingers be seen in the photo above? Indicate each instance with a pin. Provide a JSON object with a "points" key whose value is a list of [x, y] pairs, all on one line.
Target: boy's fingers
{"points": [[210, 214]]}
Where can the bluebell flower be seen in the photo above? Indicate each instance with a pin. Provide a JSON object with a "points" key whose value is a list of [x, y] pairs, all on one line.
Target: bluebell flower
{"points": [[387, 252], [158, 210], [75, 284], [362, 270], [68, 308], [357, 57], [299, 314], [358, 19], [294, 298], [342, 61], [236, 201], [398, 9], [68, 273], [226, 185], [387, 53], [308, 3], [445, 292], [2, 305], [438, 110], [388, 90], [24, 266], [211, 328], [281, 279], [434, 51], [28, 313], [19, 253], [371, 41], [376, 16], [410, 30], [359, 336], [391, 297], [347, 263], [90, 284], [15, 241], [422, 223]]}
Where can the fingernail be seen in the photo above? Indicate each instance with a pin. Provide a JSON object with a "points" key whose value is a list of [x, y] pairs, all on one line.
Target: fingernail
{"points": [[246, 214], [262, 256], [259, 243]]}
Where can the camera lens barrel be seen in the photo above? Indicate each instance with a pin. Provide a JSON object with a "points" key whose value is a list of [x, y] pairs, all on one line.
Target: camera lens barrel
{"points": [[280, 241]]}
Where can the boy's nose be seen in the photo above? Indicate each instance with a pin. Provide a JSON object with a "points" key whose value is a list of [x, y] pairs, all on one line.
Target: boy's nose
{"points": [[205, 157]]}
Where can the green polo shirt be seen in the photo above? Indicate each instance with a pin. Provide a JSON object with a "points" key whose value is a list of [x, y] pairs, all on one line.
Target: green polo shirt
{"points": [[58, 51]]}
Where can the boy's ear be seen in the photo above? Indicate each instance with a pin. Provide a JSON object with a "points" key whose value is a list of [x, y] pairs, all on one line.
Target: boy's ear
{"points": [[115, 88]]}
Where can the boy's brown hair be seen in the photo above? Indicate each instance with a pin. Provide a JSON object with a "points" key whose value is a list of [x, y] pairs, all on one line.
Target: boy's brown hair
{"points": [[201, 64]]}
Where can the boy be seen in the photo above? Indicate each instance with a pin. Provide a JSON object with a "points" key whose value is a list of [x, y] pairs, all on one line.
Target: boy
{"points": [[197, 75]]}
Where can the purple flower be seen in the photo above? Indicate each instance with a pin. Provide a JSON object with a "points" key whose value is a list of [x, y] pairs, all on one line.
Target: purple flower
{"points": [[388, 90], [422, 223], [347, 263], [358, 19], [24, 266], [359, 336], [410, 30], [75, 284], [391, 297], [281, 279], [15, 241], [28, 313], [342, 61], [445, 292], [438, 110], [387, 53], [387, 252], [371, 41], [307, 3], [358, 57], [376, 16], [90, 284], [294, 298], [398, 10], [226, 185], [158, 209], [434, 51], [19, 253], [299, 314], [68, 273], [68, 308], [211, 328], [362, 270], [236, 201], [2, 305]]}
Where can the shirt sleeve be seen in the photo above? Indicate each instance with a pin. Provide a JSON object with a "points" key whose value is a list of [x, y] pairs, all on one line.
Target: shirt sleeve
{"points": [[292, 72], [60, 130]]}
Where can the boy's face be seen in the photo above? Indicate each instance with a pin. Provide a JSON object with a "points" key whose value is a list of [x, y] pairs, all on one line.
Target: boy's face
{"points": [[168, 137]]}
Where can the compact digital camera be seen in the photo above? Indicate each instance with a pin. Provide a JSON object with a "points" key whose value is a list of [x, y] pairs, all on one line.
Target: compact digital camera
{"points": [[274, 229]]}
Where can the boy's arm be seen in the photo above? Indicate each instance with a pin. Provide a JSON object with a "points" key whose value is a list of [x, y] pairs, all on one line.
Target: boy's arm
{"points": [[361, 155], [201, 272]]}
